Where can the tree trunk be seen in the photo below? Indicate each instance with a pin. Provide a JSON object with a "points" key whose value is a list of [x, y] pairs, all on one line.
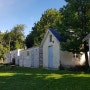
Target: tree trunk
{"points": [[86, 56]]}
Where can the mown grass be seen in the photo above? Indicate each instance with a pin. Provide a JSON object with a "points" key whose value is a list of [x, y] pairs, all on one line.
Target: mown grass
{"points": [[21, 78]]}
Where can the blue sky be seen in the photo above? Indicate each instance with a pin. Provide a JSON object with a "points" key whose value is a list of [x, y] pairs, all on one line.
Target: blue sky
{"points": [[13, 12]]}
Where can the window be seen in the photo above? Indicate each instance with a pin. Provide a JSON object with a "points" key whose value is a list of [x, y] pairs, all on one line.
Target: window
{"points": [[27, 53], [50, 38]]}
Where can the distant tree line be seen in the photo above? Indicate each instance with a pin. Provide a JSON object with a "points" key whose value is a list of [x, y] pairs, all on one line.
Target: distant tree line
{"points": [[11, 40]]}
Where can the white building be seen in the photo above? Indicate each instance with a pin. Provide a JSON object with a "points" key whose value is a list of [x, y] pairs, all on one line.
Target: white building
{"points": [[48, 54], [53, 56], [13, 55]]}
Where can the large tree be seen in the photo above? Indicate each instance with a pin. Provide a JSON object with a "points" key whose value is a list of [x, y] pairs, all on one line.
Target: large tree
{"points": [[75, 26], [47, 20]]}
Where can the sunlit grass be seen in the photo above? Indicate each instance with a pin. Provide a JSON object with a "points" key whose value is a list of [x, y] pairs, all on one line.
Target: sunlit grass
{"points": [[20, 78], [6, 74], [53, 76]]}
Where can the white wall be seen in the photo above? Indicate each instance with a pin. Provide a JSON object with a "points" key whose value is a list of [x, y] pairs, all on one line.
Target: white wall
{"points": [[26, 57], [21, 58], [13, 54], [56, 52], [36, 57], [8, 60], [67, 59]]}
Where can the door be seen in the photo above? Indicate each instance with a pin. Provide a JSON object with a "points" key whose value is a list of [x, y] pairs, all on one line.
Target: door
{"points": [[50, 56]]}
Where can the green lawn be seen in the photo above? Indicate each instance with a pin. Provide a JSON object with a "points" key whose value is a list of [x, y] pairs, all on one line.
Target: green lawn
{"points": [[20, 78]]}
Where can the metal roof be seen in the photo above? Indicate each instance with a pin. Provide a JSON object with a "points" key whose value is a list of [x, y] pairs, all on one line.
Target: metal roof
{"points": [[57, 35]]}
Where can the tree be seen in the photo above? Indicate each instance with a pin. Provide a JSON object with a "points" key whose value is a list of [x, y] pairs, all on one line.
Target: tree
{"points": [[12, 40], [16, 37], [75, 26], [3, 45], [29, 40], [6, 39], [47, 20]]}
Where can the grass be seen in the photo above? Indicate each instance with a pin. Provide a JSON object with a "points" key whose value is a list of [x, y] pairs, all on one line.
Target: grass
{"points": [[21, 78]]}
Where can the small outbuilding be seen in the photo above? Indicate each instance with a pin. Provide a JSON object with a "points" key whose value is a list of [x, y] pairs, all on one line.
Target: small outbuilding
{"points": [[53, 56], [13, 56]]}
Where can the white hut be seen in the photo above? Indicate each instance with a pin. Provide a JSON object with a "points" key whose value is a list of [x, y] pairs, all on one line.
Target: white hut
{"points": [[53, 56], [13, 55]]}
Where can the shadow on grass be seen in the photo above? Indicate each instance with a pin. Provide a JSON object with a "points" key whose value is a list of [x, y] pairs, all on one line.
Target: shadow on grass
{"points": [[20, 78]]}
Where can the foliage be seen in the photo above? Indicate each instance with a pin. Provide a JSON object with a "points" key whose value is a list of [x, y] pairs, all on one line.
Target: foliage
{"points": [[3, 49], [47, 20], [17, 37], [75, 26], [11, 40]]}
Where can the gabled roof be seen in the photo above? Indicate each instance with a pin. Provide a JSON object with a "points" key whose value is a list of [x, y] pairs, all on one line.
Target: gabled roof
{"points": [[57, 35]]}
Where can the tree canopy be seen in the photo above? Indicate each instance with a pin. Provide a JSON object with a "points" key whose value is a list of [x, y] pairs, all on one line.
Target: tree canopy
{"points": [[16, 37], [75, 25], [47, 20], [12, 40]]}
